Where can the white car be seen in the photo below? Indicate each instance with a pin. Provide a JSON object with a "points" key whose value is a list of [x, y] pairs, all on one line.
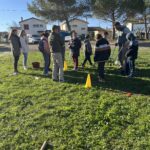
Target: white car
{"points": [[67, 38], [33, 39]]}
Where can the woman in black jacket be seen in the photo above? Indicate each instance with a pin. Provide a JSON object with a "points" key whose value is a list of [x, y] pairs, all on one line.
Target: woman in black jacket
{"points": [[15, 48]]}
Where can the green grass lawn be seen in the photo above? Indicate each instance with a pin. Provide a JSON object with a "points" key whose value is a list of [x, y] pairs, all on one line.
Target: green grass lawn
{"points": [[68, 115]]}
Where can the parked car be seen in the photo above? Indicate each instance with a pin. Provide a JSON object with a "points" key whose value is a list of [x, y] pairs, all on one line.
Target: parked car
{"points": [[67, 38], [33, 39]]}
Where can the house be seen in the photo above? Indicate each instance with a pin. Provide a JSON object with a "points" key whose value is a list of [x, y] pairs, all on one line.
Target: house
{"points": [[33, 26], [138, 27], [92, 31], [80, 26], [4, 37]]}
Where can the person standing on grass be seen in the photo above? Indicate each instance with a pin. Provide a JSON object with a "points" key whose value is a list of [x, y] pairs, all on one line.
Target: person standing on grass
{"points": [[24, 48], [88, 51], [56, 44], [102, 54], [44, 48], [15, 48], [131, 55], [63, 47], [75, 45], [122, 42], [47, 35]]}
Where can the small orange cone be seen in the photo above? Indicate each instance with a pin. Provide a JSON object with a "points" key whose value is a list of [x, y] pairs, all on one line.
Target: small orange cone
{"points": [[65, 66], [88, 82], [129, 94]]}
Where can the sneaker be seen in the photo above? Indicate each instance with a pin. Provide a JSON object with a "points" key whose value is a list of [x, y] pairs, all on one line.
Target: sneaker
{"points": [[46, 74], [101, 80], [55, 80], [62, 81], [15, 73], [122, 72], [130, 76], [82, 66], [75, 69], [25, 67]]}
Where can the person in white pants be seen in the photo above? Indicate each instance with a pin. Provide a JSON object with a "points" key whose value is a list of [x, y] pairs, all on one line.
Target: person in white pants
{"points": [[56, 44], [24, 48]]}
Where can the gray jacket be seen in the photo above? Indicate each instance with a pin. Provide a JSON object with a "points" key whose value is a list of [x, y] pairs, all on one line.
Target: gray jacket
{"points": [[122, 37], [56, 43], [15, 45]]}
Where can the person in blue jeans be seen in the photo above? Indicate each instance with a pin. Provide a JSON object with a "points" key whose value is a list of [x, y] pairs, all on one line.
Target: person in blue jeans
{"points": [[102, 53], [131, 55], [24, 47], [46, 52]]}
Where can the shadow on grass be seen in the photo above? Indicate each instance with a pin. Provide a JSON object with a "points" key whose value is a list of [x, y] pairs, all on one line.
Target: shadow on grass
{"points": [[143, 73], [35, 73], [114, 81]]}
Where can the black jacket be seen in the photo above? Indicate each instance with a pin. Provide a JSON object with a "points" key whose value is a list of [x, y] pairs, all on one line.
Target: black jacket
{"points": [[88, 47], [75, 45], [133, 50], [102, 55], [56, 43]]}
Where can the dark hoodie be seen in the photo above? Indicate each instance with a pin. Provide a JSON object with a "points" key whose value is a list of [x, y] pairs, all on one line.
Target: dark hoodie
{"points": [[75, 45]]}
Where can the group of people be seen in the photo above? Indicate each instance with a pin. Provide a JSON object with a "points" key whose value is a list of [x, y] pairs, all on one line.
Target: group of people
{"points": [[19, 43], [128, 50], [53, 46]]}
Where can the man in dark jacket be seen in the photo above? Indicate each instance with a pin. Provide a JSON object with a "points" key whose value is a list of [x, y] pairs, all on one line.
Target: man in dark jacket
{"points": [[131, 55], [75, 45], [56, 44], [122, 42]]}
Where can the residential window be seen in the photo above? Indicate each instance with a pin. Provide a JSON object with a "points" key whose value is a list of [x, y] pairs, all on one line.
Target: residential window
{"points": [[82, 28], [74, 26], [41, 25], [26, 27], [36, 26]]}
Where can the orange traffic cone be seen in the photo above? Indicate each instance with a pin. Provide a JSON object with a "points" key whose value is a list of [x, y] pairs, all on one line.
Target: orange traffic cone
{"points": [[129, 94], [65, 66], [88, 82]]}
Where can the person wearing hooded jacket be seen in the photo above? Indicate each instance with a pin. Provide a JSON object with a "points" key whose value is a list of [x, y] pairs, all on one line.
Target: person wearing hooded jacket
{"points": [[88, 51], [131, 55], [15, 48]]}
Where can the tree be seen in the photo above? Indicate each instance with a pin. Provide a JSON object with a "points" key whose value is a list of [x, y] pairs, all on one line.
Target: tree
{"points": [[145, 15], [131, 8], [107, 10], [116, 10], [59, 10], [138, 7]]}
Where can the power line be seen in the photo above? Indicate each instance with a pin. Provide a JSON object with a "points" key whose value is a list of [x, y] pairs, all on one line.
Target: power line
{"points": [[12, 10]]}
